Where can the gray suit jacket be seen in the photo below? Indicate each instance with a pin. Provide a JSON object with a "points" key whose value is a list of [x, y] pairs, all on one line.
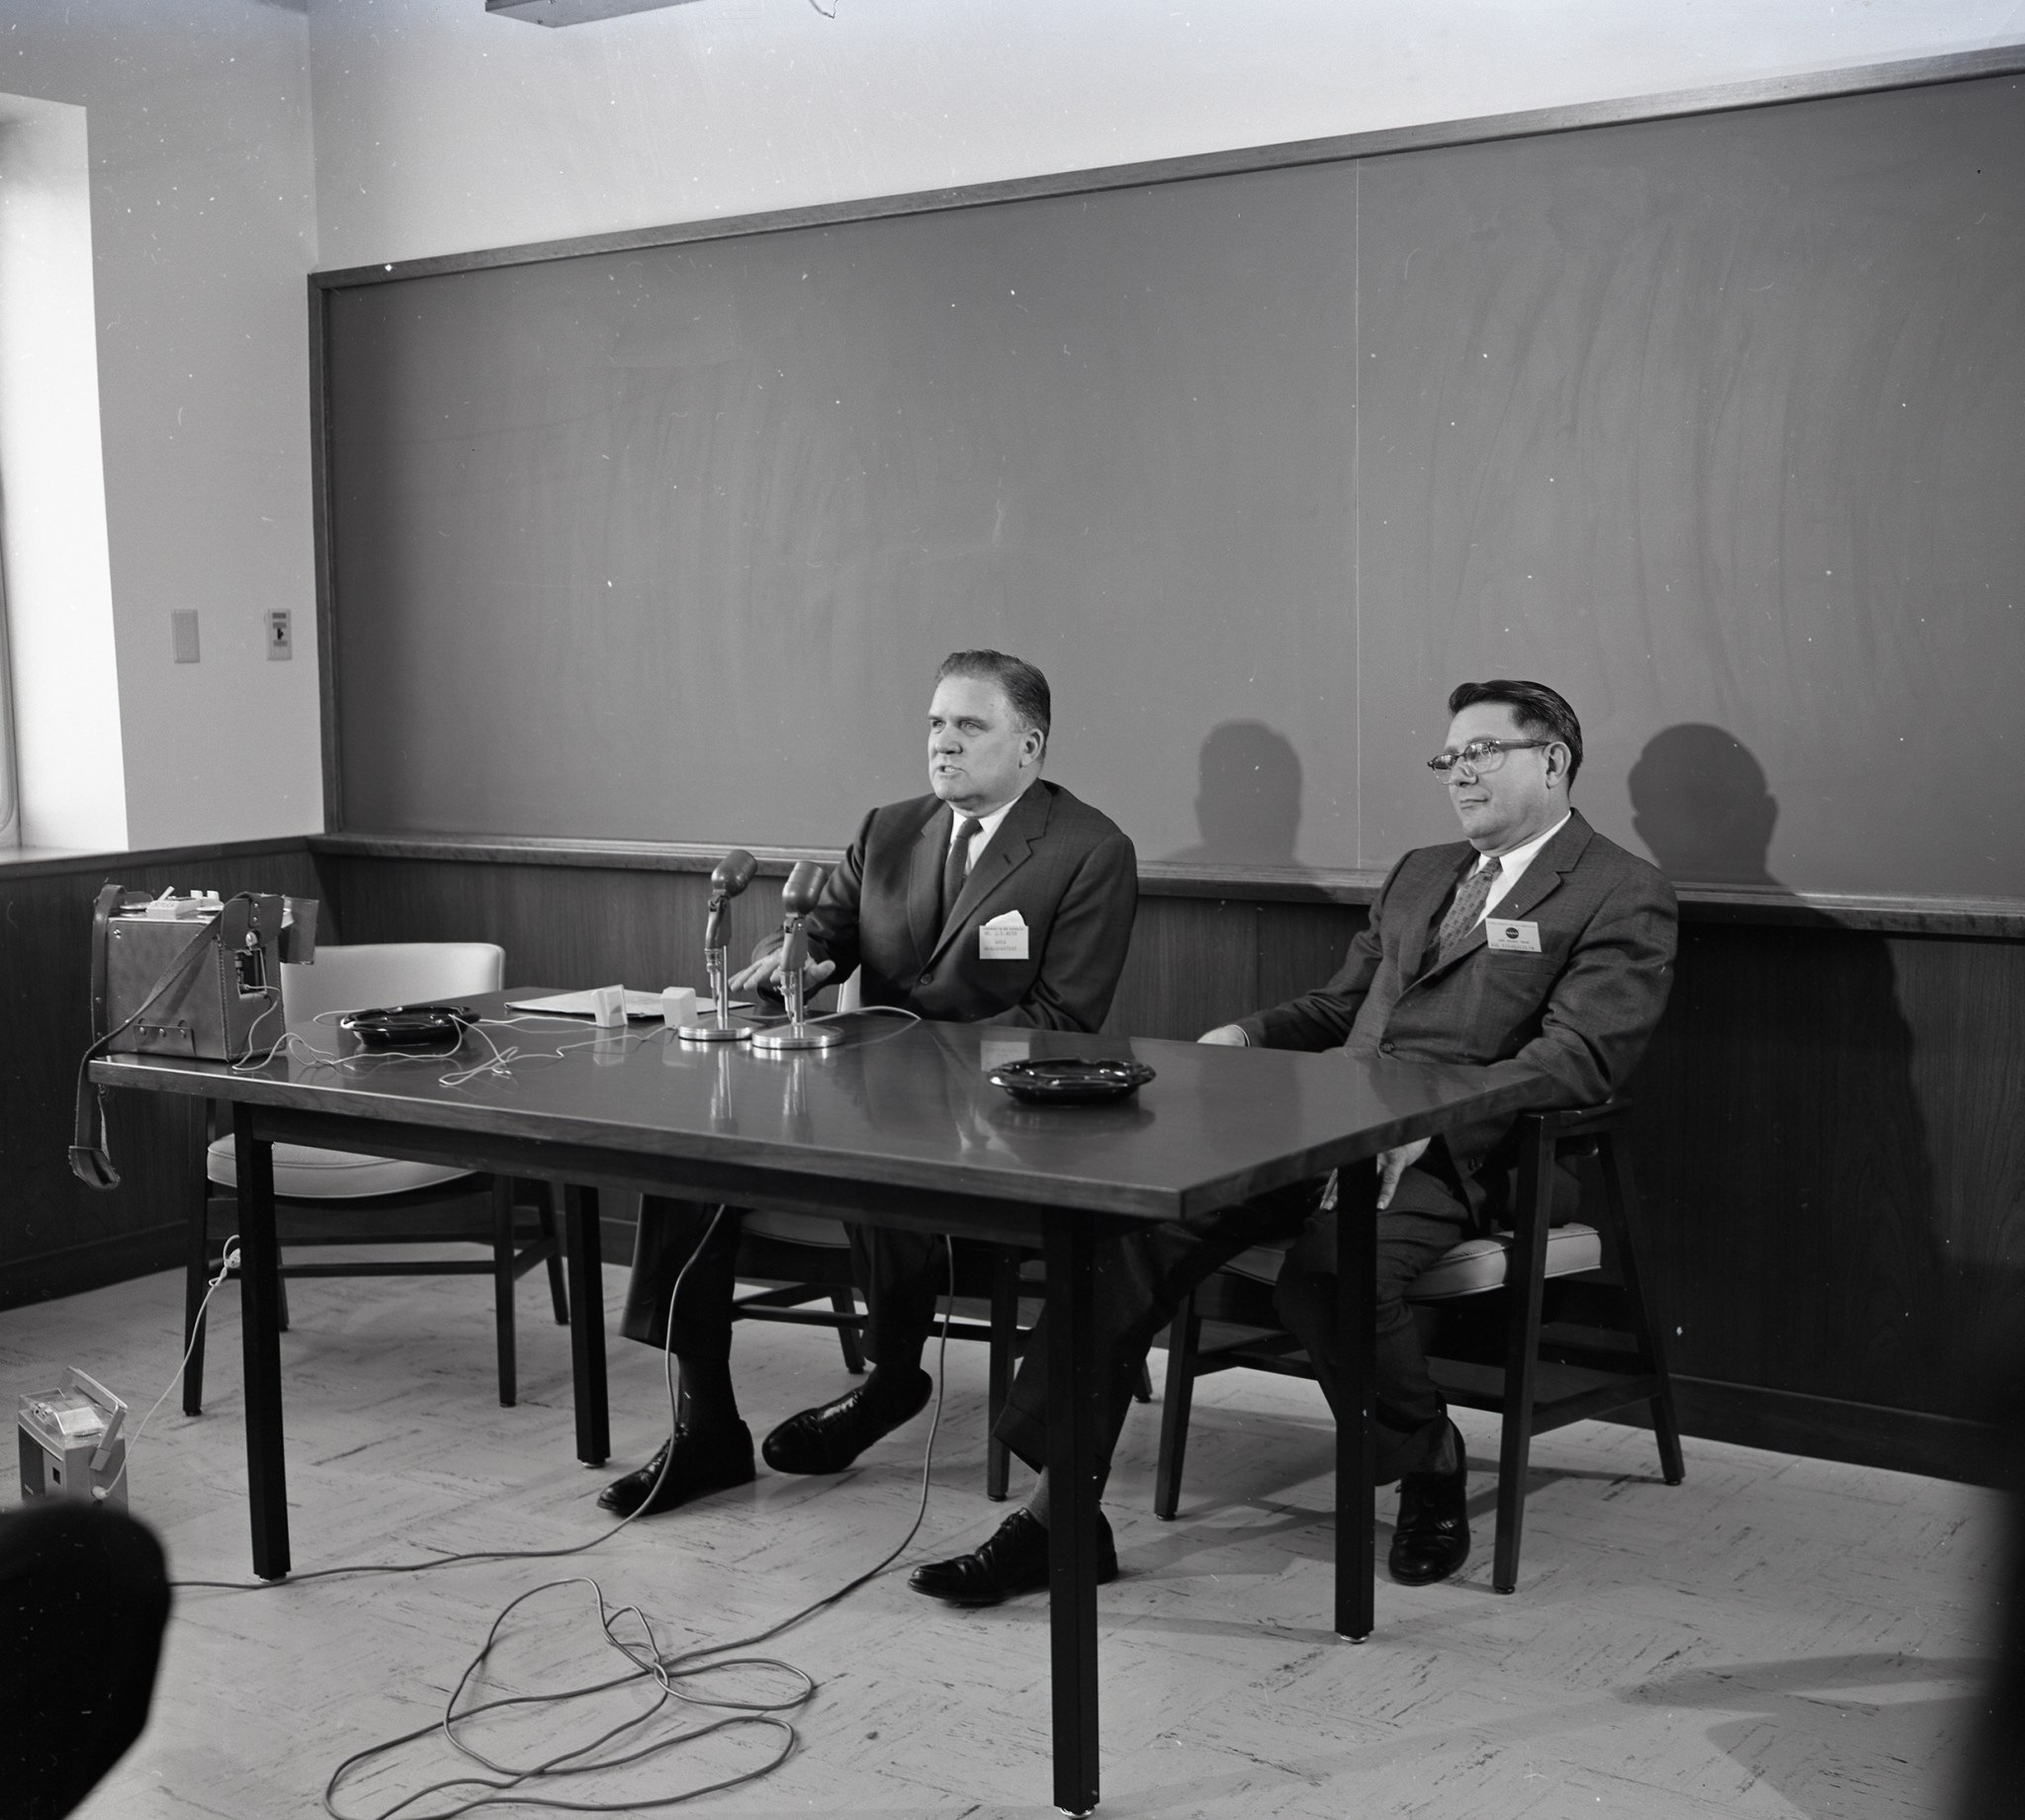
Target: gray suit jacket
{"points": [[1065, 867], [1575, 1017]]}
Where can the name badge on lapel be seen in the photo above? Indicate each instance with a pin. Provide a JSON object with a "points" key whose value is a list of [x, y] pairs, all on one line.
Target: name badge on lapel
{"points": [[1004, 938], [1510, 937]]}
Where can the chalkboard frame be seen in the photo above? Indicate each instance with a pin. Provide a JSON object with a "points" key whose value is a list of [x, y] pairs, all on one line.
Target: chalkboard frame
{"points": [[2002, 918]]}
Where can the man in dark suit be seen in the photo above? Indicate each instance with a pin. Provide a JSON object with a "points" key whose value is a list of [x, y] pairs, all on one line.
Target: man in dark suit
{"points": [[999, 898], [1533, 949]]}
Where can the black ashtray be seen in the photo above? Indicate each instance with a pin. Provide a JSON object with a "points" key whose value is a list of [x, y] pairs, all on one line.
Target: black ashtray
{"points": [[1070, 1080]]}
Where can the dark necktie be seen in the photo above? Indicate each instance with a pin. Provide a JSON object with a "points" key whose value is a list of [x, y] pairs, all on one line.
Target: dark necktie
{"points": [[956, 864], [1467, 910]]}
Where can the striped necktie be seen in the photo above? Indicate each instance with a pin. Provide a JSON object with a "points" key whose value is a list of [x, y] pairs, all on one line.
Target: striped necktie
{"points": [[956, 862], [1467, 910]]}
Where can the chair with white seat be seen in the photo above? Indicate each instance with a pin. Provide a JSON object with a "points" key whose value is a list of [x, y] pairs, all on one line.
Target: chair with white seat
{"points": [[1557, 1308], [327, 1197]]}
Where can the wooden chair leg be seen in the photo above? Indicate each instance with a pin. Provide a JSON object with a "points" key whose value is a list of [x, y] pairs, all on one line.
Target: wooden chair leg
{"points": [[1182, 1339], [1620, 1198], [503, 1288], [559, 1292], [1525, 1279], [1001, 1345], [845, 1303]]}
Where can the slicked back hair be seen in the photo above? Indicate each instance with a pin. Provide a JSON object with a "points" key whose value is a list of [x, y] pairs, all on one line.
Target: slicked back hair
{"points": [[1026, 689], [1542, 714]]}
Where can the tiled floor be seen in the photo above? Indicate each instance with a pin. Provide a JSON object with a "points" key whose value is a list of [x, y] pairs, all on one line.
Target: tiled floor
{"points": [[1776, 1636]]}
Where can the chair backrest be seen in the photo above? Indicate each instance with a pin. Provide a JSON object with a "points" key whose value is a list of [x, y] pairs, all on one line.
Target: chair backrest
{"points": [[374, 972]]}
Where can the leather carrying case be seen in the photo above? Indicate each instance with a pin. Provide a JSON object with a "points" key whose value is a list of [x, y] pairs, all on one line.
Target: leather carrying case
{"points": [[204, 986]]}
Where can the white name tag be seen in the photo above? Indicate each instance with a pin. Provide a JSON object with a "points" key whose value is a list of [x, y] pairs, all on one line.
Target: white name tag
{"points": [[1001, 940], [1510, 937]]}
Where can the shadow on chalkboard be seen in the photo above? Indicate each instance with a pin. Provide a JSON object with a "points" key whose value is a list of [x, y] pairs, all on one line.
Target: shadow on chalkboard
{"points": [[1701, 805], [1248, 802], [1790, 1171]]}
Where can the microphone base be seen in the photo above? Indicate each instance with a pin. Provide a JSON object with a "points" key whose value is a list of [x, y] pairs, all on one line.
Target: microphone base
{"points": [[714, 1033], [810, 1036]]}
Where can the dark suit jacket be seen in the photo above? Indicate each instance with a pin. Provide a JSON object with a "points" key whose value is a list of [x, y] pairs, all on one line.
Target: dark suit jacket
{"points": [[1068, 870], [1576, 1015]]}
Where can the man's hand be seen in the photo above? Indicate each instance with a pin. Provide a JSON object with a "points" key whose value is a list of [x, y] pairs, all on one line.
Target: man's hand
{"points": [[1228, 1035], [768, 970], [1393, 1163]]}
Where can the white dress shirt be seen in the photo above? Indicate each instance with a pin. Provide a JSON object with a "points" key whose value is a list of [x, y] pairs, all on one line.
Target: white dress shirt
{"points": [[981, 840]]}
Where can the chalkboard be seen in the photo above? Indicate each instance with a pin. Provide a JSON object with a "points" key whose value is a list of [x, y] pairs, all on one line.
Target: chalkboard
{"points": [[1716, 423]]}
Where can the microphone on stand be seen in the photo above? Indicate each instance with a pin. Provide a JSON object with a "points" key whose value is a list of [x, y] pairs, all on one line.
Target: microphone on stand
{"points": [[802, 892], [728, 878], [800, 895]]}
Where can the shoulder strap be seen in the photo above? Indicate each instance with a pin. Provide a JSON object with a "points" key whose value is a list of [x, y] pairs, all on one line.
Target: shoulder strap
{"points": [[101, 914]]}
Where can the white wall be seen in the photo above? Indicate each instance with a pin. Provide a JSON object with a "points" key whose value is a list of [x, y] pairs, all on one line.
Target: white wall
{"points": [[203, 224], [65, 689], [440, 128]]}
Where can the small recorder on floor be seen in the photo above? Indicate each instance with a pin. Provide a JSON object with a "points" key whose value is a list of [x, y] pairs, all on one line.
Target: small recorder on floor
{"points": [[71, 1441]]}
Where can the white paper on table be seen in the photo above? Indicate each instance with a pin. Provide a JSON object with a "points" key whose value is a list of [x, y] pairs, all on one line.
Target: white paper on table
{"points": [[581, 1004]]}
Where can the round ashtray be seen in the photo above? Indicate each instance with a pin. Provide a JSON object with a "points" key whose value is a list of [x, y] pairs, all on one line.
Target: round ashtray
{"points": [[1070, 1080]]}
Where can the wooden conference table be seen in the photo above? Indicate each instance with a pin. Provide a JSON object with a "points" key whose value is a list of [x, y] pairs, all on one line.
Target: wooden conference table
{"points": [[896, 1126]]}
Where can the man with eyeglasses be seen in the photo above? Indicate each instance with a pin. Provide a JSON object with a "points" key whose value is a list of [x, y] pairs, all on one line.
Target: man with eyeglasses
{"points": [[1533, 948]]}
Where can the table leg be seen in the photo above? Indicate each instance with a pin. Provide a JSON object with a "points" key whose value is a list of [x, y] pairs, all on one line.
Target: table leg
{"points": [[260, 1337], [586, 1323], [1357, 1272], [1073, 1422]]}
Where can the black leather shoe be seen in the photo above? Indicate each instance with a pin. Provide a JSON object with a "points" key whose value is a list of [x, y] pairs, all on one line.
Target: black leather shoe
{"points": [[711, 1461], [1432, 1537], [1013, 1560], [829, 1438]]}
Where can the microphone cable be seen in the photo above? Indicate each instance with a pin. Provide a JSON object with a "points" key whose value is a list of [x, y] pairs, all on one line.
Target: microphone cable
{"points": [[676, 1673]]}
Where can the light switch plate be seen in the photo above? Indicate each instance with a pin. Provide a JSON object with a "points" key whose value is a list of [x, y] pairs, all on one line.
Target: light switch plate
{"points": [[280, 639]]}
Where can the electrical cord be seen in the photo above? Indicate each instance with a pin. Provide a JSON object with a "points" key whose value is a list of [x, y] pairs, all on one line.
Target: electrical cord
{"points": [[669, 1671], [245, 1064], [228, 1257], [513, 1554], [666, 1672], [498, 1062], [869, 1010]]}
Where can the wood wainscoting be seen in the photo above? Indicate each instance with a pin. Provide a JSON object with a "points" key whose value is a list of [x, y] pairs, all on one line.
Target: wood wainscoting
{"points": [[57, 1236], [1828, 1142]]}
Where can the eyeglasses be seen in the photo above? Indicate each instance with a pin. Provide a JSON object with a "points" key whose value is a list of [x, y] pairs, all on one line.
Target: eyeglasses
{"points": [[1481, 755]]}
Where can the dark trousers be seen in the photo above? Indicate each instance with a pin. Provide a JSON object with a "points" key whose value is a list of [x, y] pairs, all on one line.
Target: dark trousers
{"points": [[671, 1235], [903, 1276], [84, 1595], [1428, 1215], [1142, 1277], [900, 1274]]}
